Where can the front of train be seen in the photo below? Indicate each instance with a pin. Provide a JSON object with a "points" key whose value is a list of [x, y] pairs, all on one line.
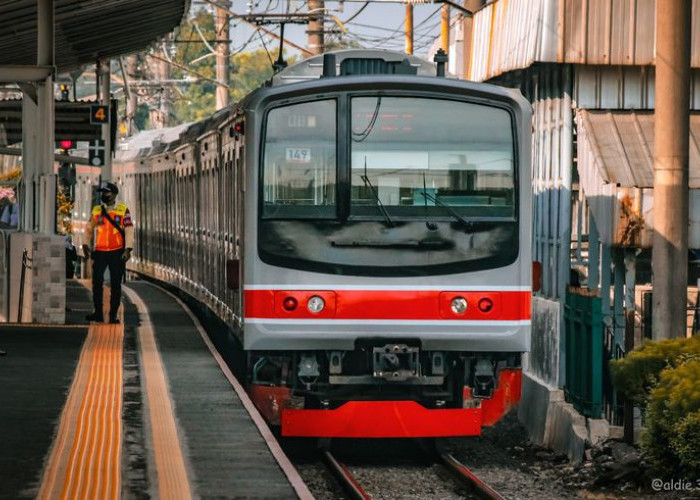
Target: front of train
{"points": [[386, 270]]}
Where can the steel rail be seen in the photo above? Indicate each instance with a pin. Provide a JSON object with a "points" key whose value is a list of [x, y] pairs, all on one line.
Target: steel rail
{"points": [[345, 477], [467, 479]]}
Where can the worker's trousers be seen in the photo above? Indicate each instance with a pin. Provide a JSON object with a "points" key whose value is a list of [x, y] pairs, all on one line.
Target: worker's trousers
{"points": [[101, 261]]}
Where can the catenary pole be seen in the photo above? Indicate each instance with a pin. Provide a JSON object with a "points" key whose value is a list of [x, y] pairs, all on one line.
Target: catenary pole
{"points": [[315, 28], [445, 28], [670, 250], [409, 29], [222, 53]]}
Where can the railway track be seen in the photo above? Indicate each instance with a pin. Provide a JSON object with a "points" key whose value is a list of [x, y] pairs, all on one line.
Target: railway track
{"points": [[461, 474]]}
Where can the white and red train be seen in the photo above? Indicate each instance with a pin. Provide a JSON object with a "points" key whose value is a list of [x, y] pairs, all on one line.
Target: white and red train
{"points": [[363, 228]]}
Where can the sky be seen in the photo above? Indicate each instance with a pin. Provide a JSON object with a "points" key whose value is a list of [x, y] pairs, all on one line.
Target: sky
{"points": [[379, 25]]}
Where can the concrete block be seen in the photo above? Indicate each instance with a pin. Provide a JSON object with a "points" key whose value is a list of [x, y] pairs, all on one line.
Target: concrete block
{"points": [[598, 430], [617, 432], [543, 359], [534, 406], [567, 431]]}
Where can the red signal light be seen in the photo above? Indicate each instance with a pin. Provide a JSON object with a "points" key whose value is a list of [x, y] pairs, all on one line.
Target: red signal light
{"points": [[289, 304], [238, 127], [65, 144], [485, 305]]}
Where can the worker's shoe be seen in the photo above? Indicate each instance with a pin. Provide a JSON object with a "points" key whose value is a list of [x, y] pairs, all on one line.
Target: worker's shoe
{"points": [[114, 320], [96, 317]]}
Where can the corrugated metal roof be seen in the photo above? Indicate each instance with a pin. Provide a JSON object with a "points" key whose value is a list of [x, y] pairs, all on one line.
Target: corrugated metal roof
{"points": [[615, 166], [512, 35], [623, 145], [87, 30]]}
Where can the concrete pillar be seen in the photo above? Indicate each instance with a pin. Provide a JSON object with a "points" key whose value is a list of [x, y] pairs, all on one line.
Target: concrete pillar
{"points": [[468, 27], [670, 250]]}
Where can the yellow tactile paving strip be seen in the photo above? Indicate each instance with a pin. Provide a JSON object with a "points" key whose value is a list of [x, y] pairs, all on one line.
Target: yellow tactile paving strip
{"points": [[173, 482], [85, 461]]}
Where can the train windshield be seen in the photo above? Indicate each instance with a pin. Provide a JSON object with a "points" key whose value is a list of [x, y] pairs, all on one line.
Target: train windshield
{"points": [[426, 186], [300, 161], [416, 156]]}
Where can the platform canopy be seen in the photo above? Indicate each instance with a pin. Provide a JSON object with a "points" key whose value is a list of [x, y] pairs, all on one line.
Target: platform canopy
{"points": [[616, 170], [86, 30]]}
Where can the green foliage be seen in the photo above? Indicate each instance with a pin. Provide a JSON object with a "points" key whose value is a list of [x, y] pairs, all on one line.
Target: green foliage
{"points": [[198, 99], [249, 70], [636, 374], [686, 443], [665, 377], [673, 420]]}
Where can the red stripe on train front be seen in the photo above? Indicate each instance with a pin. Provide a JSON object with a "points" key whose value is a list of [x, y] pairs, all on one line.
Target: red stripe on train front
{"points": [[506, 305]]}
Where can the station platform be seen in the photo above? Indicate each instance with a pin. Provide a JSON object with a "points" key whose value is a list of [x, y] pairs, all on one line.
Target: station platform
{"points": [[143, 409]]}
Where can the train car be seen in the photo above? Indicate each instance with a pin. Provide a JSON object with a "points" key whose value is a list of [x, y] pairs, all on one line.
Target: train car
{"points": [[363, 227]]}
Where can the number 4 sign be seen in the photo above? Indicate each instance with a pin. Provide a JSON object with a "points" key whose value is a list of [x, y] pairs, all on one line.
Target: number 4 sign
{"points": [[99, 114]]}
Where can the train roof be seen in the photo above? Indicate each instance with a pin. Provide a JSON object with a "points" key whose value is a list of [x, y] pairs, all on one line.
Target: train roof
{"points": [[149, 142], [366, 60]]}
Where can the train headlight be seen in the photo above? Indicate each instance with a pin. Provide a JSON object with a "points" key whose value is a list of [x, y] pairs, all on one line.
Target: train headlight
{"points": [[316, 304], [459, 305]]}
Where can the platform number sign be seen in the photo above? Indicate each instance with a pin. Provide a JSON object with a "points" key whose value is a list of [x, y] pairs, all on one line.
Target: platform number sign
{"points": [[99, 114], [96, 152]]}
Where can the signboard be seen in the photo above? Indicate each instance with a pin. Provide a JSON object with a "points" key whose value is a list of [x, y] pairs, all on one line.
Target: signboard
{"points": [[99, 114], [96, 152]]}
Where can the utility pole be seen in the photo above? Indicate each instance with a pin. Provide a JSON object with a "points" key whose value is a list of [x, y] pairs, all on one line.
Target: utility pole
{"points": [[445, 28], [132, 102], [315, 30], [223, 67], [468, 28], [409, 29], [670, 251], [160, 112]]}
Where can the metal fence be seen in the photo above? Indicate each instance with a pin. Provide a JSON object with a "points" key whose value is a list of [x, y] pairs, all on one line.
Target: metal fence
{"points": [[584, 352]]}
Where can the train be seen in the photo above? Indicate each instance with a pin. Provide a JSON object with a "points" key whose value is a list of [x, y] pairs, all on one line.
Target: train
{"points": [[362, 226]]}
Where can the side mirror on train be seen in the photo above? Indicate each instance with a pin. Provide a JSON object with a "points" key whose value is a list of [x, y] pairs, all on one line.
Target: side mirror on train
{"points": [[233, 274], [536, 276]]}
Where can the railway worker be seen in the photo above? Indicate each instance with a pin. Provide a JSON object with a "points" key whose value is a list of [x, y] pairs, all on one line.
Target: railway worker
{"points": [[114, 238]]}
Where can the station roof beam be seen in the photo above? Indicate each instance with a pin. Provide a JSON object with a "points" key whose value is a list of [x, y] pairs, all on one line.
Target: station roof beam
{"points": [[86, 31]]}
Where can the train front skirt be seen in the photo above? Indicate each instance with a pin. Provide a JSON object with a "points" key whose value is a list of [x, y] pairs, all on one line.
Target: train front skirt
{"points": [[389, 419]]}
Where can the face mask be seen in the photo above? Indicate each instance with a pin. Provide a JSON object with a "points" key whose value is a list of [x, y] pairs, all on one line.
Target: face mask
{"points": [[106, 197]]}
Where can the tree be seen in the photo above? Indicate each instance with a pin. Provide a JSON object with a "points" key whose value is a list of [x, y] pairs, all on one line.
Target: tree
{"points": [[250, 70]]}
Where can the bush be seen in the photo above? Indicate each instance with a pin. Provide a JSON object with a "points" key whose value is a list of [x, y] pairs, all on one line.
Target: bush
{"points": [[637, 374], [673, 420], [665, 377]]}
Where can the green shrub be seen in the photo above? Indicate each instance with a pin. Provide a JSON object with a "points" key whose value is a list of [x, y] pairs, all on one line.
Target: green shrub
{"points": [[665, 377], [673, 420], [637, 374], [686, 444]]}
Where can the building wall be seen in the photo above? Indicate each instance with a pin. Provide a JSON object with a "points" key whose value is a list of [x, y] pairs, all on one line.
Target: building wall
{"points": [[622, 87], [512, 35]]}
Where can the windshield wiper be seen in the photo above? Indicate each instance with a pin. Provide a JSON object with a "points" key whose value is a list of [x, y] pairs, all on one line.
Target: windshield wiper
{"points": [[380, 205], [424, 244], [469, 226]]}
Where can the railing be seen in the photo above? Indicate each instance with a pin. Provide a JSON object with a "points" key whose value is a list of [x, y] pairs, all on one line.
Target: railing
{"points": [[612, 403], [584, 351], [25, 265]]}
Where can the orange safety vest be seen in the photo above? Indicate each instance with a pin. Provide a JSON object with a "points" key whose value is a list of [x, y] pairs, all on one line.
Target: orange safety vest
{"points": [[108, 237]]}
